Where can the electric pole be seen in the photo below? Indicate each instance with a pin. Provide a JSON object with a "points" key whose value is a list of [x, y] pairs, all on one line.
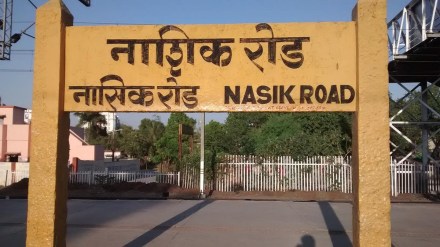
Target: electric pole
{"points": [[6, 36]]}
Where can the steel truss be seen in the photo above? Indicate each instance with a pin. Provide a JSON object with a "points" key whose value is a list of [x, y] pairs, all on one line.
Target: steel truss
{"points": [[414, 49], [5, 28], [417, 22], [427, 123]]}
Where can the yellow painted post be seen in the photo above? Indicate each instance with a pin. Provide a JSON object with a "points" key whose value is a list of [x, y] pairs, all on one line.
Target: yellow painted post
{"points": [[47, 210], [371, 177]]}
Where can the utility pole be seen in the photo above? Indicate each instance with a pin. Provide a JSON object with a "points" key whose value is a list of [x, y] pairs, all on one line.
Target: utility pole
{"points": [[113, 148], [202, 155], [6, 36], [180, 142]]}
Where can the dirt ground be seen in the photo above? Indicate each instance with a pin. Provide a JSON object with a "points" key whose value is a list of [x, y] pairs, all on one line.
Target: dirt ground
{"points": [[137, 190]]}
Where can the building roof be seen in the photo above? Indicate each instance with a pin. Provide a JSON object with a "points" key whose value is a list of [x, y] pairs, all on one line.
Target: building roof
{"points": [[73, 133], [11, 106]]}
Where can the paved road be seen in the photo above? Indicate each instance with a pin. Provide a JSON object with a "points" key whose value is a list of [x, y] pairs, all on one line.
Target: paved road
{"points": [[220, 223]]}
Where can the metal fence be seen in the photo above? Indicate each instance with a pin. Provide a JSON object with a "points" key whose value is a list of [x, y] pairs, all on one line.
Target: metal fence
{"points": [[110, 177], [8, 177], [251, 173], [414, 178], [100, 177], [190, 178]]}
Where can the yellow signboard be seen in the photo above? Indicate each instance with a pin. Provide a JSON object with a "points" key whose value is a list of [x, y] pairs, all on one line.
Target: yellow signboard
{"points": [[246, 67], [251, 67]]}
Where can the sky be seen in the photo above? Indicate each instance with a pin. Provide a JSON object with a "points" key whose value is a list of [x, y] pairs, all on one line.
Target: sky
{"points": [[16, 75]]}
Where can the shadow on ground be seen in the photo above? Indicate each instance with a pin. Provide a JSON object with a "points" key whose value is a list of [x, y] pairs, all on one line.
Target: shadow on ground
{"points": [[166, 225], [307, 241], [335, 228]]}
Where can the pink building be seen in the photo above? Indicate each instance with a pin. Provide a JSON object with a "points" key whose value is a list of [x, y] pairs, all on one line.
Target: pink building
{"points": [[15, 138], [79, 148], [14, 134]]}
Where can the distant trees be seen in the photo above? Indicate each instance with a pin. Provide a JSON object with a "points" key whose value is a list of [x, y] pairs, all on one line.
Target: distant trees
{"points": [[94, 124], [140, 143], [215, 137], [294, 134], [127, 140], [240, 131], [265, 134], [149, 132], [167, 145]]}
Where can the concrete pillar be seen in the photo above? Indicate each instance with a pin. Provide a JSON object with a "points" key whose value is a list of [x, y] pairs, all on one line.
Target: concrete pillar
{"points": [[371, 159], [47, 209]]}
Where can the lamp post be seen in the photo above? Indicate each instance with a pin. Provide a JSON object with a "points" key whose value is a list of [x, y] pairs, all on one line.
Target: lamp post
{"points": [[16, 36], [85, 2], [113, 143], [6, 36], [6, 40], [202, 155]]}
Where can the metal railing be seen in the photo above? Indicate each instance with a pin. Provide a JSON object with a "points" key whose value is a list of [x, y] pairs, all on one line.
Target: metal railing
{"points": [[419, 20], [241, 173], [411, 178], [110, 177]]}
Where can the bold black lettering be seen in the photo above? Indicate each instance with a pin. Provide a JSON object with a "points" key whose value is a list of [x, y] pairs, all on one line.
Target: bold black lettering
{"points": [[286, 94], [235, 97], [344, 99], [306, 92], [275, 94], [333, 95], [320, 94], [264, 96], [249, 96]]}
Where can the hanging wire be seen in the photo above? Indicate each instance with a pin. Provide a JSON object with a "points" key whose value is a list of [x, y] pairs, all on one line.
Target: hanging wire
{"points": [[35, 6], [16, 70]]}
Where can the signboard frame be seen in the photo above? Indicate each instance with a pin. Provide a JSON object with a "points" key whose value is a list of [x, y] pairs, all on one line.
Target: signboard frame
{"points": [[46, 220]]}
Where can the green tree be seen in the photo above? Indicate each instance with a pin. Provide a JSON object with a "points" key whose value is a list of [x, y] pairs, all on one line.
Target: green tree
{"points": [[326, 133], [94, 124], [215, 145], [280, 135], [127, 141], [297, 134], [150, 131], [140, 143], [167, 145], [239, 128], [113, 142], [215, 137]]}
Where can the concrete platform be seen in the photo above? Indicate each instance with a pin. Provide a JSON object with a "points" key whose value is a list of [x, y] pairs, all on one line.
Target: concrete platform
{"points": [[220, 223]]}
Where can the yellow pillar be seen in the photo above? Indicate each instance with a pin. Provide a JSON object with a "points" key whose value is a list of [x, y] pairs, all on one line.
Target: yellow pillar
{"points": [[47, 210], [371, 176]]}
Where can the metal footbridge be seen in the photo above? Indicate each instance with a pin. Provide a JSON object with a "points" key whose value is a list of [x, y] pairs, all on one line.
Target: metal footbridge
{"points": [[414, 65]]}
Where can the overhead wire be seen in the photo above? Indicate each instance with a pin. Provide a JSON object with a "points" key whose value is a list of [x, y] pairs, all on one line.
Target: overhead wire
{"points": [[16, 70], [35, 6], [111, 23]]}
